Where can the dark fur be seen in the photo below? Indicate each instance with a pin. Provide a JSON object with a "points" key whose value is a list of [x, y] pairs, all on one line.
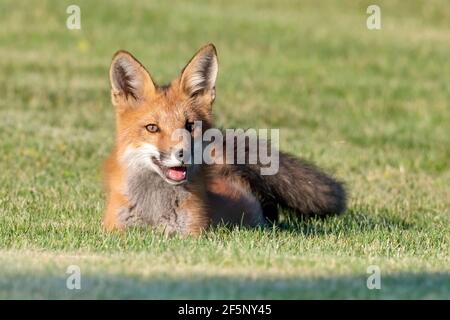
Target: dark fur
{"points": [[299, 186], [153, 201]]}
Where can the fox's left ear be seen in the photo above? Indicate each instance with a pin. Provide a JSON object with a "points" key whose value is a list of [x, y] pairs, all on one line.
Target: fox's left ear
{"points": [[199, 75]]}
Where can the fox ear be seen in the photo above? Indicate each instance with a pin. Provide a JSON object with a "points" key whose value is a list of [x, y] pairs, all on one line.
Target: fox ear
{"points": [[130, 82], [199, 75]]}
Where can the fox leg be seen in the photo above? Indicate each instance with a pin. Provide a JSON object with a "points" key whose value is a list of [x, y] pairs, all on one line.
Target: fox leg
{"points": [[232, 202], [193, 207], [116, 203]]}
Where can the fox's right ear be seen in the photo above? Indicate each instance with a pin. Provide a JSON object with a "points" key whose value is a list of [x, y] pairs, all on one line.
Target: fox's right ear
{"points": [[130, 82]]}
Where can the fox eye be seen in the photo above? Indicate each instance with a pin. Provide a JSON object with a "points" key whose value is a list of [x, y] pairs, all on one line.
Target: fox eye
{"points": [[152, 128], [189, 126]]}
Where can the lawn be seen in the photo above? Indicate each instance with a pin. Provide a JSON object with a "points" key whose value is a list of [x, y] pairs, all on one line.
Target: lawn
{"points": [[371, 107]]}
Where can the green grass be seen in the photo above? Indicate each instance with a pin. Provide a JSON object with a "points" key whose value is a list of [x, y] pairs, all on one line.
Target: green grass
{"points": [[372, 107]]}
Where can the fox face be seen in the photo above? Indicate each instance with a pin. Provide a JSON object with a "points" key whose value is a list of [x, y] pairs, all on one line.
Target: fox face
{"points": [[151, 119]]}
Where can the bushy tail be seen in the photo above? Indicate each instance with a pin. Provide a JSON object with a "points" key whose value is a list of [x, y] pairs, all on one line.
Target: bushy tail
{"points": [[298, 185]]}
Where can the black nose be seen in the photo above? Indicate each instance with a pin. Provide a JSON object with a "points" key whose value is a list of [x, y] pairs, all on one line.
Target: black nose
{"points": [[179, 154]]}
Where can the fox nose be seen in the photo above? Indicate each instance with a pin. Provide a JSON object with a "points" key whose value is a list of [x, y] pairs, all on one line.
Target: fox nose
{"points": [[179, 154]]}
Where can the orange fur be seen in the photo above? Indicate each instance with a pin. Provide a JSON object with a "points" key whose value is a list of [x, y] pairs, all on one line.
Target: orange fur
{"points": [[210, 200], [146, 183]]}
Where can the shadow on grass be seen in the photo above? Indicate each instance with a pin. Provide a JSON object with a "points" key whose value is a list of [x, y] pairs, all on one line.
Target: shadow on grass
{"points": [[396, 286], [347, 223]]}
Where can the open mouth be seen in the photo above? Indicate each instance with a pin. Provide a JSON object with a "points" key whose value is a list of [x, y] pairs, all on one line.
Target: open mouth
{"points": [[176, 174], [173, 174]]}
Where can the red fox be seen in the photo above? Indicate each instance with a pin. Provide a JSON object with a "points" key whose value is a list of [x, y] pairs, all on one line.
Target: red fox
{"points": [[148, 183]]}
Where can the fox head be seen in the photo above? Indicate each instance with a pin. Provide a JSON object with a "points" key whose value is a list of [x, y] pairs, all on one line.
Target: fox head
{"points": [[148, 115]]}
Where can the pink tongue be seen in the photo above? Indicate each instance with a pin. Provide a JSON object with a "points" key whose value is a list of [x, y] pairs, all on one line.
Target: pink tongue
{"points": [[176, 173]]}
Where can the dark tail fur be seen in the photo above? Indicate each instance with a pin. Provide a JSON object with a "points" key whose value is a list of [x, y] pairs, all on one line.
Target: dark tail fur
{"points": [[298, 185]]}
